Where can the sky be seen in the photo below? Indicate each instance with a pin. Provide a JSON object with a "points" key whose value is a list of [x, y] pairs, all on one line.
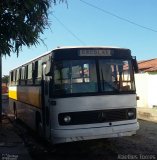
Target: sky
{"points": [[123, 23]]}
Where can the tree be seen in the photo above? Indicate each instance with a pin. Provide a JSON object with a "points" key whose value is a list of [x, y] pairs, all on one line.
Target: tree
{"points": [[5, 79], [22, 22]]}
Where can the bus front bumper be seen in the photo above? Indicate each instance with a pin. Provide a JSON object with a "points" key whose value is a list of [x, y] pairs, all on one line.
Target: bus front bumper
{"points": [[72, 135]]}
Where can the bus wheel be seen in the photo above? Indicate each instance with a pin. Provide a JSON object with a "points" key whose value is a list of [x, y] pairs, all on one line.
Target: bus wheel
{"points": [[15, 111], [39, 128]]}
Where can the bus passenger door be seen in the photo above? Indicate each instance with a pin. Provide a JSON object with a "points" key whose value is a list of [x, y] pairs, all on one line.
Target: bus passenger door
{"points": [[46, 106]]}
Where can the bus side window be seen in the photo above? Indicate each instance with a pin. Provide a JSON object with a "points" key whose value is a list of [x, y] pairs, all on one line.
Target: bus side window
{"points": [[17, 76], [19, 83], [11, 78], [30, 74], [40, 69], [35, 71], [26, 74], [38, 72], [14, 77], [22, 76]]}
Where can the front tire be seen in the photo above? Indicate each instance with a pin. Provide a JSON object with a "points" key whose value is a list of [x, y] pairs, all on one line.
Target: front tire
{"points": [[39, 126], [15, 111]]}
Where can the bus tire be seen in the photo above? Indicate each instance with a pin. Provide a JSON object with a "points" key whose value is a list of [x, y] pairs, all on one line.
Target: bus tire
{"points": [[15, 111], [39, 128]]}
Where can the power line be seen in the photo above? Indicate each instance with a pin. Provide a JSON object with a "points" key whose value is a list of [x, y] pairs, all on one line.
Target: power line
{"points": [[121, 18], [65, 27]]}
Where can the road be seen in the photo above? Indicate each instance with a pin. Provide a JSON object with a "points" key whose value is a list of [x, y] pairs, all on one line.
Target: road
{"points": [[143, 145]]}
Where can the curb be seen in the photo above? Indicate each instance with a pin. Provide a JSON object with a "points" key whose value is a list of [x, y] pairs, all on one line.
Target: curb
{"points": [[148, 114]]}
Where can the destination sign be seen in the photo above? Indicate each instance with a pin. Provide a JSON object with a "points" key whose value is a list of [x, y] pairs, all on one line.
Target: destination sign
{"points": [[95, 52]]}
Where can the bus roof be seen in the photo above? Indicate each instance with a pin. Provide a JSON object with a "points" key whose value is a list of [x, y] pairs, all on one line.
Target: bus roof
{"points": [[88, 47], [69, 47]]}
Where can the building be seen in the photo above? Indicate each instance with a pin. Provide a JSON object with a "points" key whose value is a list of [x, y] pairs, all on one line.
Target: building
{"points": [[146, 88], [148, 66], [146, 83]]}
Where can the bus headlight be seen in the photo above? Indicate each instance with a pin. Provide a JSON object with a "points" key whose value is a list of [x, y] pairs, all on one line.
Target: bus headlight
{"points": [[131, 114], [67, 119]]}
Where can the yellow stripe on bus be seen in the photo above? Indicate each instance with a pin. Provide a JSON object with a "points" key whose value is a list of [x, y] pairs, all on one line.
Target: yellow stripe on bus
{"points": [[30, 94], [12, 94]]}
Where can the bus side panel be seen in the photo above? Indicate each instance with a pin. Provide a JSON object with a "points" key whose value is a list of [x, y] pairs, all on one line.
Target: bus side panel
{"points": [[26, 100], [25, 112], [29, 94]]}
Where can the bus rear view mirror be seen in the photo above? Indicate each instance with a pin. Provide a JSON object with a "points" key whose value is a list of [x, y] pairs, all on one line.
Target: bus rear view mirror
{"points": [[135, 64]]}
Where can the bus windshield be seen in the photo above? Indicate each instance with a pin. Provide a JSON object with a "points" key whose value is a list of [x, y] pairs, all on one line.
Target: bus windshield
{"points": [[116, 75], [93, 76]]}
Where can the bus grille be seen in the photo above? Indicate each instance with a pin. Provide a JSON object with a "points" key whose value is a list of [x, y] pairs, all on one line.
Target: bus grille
{"points": [[97, 116]]}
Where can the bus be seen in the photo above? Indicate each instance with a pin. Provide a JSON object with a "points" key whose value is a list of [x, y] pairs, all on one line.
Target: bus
{"points": [[77, 93]]}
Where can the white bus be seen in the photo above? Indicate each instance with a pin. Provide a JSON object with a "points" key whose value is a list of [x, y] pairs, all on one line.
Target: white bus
{"points": [[77, 93]]}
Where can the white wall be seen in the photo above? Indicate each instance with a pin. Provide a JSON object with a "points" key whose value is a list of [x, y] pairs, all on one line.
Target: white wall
{"points": [[141, 81], [146, 89], [152, 90]]}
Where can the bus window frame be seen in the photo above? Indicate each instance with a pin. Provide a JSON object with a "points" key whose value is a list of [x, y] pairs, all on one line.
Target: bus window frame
{"points": [[99, 92], [23, 76], [29, 74], [36, 76]]}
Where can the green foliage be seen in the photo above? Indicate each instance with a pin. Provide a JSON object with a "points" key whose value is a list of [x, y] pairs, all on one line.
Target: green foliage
{"points": [[22, 21], [5, 79]]}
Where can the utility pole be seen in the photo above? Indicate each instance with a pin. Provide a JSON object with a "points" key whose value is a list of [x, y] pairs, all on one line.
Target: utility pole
{"points": [[0, 88]]}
